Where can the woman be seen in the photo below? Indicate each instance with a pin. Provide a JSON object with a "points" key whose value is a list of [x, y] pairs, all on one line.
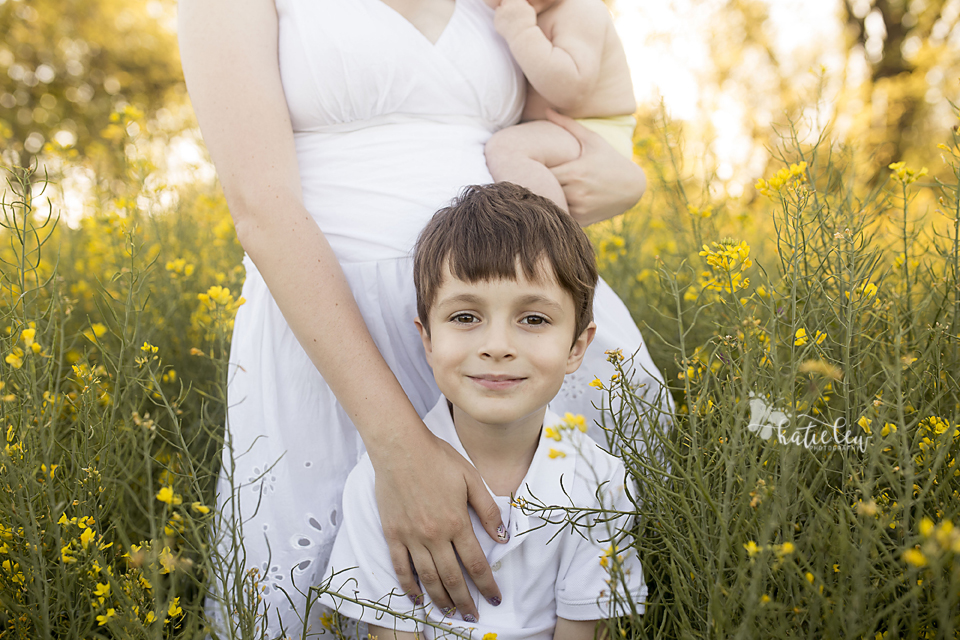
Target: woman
{"points": [[338, 127]]}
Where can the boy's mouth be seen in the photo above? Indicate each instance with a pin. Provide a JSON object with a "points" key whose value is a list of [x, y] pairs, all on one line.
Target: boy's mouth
{"points": [[496, 382]]}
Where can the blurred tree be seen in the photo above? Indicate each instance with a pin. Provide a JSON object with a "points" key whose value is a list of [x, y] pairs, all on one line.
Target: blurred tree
{"points": [[912, 49], [67, 65], [889, 69]]}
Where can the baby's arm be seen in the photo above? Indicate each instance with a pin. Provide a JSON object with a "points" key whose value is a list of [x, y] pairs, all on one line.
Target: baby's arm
{"points": [[565, 69], [579, 630]]}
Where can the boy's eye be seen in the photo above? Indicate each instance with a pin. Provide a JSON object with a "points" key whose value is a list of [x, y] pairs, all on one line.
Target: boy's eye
{"points": [[534, 320], [464, 318]]}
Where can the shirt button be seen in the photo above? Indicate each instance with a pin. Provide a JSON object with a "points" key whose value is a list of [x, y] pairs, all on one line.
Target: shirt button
{"points": [[496, 566]]}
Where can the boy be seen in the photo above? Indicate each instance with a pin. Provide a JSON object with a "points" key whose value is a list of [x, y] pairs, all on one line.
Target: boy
{"points": [[505, 284], [574, 63]]}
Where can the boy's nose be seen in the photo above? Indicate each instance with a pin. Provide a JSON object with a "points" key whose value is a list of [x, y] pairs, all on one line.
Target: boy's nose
{"points": [[497, 344]]}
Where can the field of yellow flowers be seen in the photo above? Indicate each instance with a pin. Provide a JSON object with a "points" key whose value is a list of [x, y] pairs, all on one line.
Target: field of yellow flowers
{"points": [[806, 487]]}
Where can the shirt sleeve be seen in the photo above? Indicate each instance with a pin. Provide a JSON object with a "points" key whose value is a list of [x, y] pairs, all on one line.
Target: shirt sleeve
{"points": [[360, 564], [600, 574]]}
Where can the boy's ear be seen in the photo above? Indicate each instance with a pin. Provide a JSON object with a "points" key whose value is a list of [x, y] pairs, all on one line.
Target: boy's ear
{"points": [[425, 337], [579, 348]]}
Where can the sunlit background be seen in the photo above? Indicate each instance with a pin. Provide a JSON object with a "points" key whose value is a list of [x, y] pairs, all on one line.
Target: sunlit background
{"points": [[875, 72]]}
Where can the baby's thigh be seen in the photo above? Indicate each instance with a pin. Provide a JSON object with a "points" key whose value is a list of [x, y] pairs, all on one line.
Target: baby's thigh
{"points": [[537, 140]]}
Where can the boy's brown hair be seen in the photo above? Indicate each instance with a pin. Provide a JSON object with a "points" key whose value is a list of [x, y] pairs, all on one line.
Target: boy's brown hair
{"points": [[487, 230]]}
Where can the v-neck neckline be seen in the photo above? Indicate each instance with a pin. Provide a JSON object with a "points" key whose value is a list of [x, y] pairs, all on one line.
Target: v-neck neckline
{"points": [[405, 20]]}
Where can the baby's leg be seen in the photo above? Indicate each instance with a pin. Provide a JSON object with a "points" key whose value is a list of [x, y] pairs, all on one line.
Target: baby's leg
{"points": [[524, 153]]}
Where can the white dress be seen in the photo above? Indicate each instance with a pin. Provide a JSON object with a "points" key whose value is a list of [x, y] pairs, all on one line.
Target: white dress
{"points": [[388, 128]]}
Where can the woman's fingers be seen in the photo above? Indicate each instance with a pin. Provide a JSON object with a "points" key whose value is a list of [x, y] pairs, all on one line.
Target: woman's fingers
{"points": [[406, 575], [448, 580], [577, 130], [471, 554], [600, 183], [422, 500]]}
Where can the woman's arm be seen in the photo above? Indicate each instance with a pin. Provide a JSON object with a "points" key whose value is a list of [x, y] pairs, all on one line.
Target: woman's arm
{"points": [[601, 183], [230, 62]]}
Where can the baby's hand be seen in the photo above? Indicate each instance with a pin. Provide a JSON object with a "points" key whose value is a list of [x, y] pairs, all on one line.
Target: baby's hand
{"points": [[514, 17]]}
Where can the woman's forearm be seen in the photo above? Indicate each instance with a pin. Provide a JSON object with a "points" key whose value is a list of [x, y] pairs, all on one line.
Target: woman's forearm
{"points": [[306, 280]]}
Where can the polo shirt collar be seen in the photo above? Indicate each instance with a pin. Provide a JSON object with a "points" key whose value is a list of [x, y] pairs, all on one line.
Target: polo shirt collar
{"points": [[553, 467]]}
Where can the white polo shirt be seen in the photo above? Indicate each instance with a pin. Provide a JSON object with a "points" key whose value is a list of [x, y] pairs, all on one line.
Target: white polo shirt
{"points": [[546, 570]]}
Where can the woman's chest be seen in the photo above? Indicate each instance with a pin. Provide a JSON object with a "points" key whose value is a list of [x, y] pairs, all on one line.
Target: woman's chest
{"points": [[343, 61]]}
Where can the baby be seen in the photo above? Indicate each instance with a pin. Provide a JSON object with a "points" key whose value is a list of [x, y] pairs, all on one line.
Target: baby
{"points": [[575, 64], [505, 284]]}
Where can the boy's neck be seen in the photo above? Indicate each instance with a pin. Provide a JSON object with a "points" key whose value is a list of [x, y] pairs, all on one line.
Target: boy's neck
{"points": [[501, 453]]}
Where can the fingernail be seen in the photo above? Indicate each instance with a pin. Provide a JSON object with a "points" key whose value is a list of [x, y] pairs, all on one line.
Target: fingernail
{"points": [[495, 601], [502, 534], [416, 599], [469, 618], [448, 611]]}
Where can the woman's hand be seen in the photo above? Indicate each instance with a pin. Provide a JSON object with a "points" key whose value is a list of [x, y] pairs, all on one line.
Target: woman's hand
{"points": [[423, 487], [601, 183]]}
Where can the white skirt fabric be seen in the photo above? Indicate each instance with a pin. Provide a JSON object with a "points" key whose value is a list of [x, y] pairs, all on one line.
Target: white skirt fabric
{"points": [[291, 444]]}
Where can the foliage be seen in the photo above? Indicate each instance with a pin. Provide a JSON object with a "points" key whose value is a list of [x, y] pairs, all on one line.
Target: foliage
{"points": [[69, 64], [111, 442]]}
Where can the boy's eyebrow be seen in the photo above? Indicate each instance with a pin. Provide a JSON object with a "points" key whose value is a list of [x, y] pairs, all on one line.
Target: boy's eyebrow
{"points": [[467, 298], [543, 300], [531, 299]]}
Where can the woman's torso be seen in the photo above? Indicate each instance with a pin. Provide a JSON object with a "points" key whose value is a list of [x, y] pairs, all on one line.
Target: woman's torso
{"points": [[389, 126]]}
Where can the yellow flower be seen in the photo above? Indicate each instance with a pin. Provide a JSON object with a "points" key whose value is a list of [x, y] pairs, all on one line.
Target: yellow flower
{"points": [[888, 428], [752, 548], [915, 557], [786, 177], [200, 508], [66, 554], [904, 174], [801, 337], [149, 348], [557, 454], [95, 331], [102, 590], [551, 433], [167, 561], [87, 537], [179, 267], [103, 619], [809, 577], [15, 358], [820, 337], [597, 383], [174, 609], [326, 620], [27, 335], [167, 495], [926, 526], [490, 636], [864, 423], [764, 599], [217, 295], [785, 549], [576, 421]]}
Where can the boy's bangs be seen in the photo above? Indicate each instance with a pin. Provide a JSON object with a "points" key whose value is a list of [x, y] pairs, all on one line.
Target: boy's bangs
{"points": [[496, 232]]}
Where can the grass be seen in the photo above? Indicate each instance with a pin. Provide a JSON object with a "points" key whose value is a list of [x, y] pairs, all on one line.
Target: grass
{"points": [[823, 314]]}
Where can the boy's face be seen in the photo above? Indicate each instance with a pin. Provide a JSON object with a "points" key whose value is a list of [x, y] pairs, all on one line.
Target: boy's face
{"points": [[500, 349]]}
